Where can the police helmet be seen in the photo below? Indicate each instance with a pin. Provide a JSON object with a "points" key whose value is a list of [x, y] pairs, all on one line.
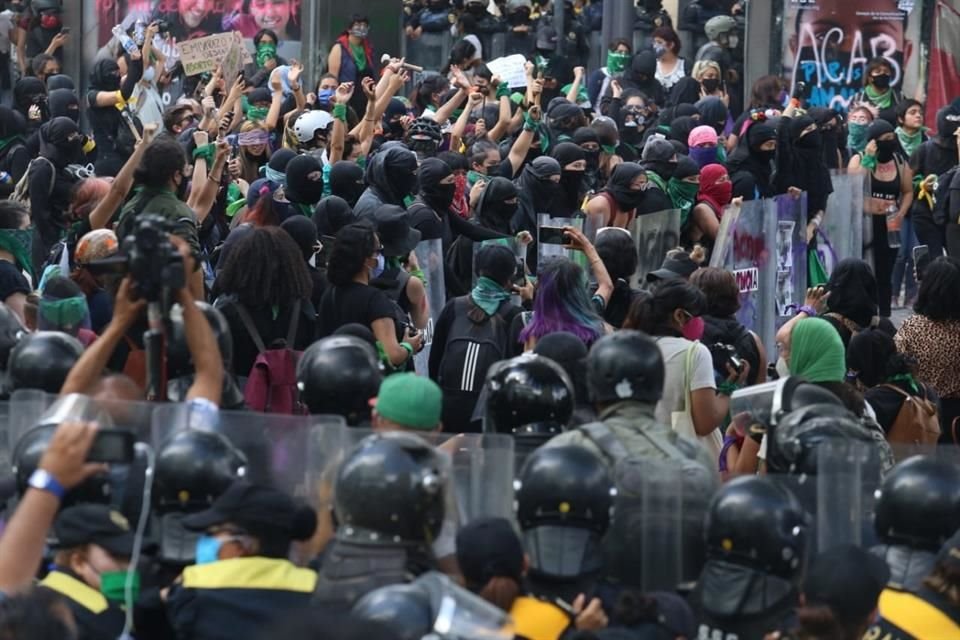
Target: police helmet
{"points": [[11, 332], [338, 375], [179, 362], [193, 468], [404, 608], [26, 458], [755, 522], [718, 25], [42, 360], [797, 440], [308, 123], [391, 490], [529, 394], [625, 365], [919, 503]]}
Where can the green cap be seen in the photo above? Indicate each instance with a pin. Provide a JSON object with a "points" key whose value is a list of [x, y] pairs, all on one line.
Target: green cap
{"points": [[411, 401]]}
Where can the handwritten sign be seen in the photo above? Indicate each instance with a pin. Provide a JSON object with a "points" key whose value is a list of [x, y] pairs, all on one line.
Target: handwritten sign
{"points": [[510, 69], [201, 55], [747, 279]]}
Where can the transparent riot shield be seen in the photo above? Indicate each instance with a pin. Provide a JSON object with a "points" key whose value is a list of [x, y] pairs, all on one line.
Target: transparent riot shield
{"points": [[840, 235], [550, 242], [459, 614], [655, 540], [848, 477], [430, 258], [655, 234]]}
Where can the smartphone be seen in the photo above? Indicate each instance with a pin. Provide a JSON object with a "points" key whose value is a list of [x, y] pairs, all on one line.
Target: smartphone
{"points": [[921, 260], [65, 30], [113, 446], [800, 90], [520, 274], [552, 235]]}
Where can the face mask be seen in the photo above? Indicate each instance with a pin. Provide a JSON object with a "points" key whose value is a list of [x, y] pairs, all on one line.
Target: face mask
{"points": [[507, 209], [50, 21], [810, 141], [393, 130], [857, 136], [722, 192], [627, 199], [149, 74], [377, 271], [617, 62], [631, 134], [659, 50], [886, 149], [710, 84], [324, 97], [441, 195], [113, 585], [593, 159], [764, 155], [208, 549], [703, 155], [359, 32], [257, 113], [266, 51], [882, 81], [783, 369], [693, 330]]}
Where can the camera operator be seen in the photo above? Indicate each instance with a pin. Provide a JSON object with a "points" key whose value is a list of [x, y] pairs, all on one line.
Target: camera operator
{"points": [[163, 173], [85, 377]]}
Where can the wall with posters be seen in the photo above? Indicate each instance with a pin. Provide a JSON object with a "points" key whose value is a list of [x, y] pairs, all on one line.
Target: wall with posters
{"points": [[827, 44]]}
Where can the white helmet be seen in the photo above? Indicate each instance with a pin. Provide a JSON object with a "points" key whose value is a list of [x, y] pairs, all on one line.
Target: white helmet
{"points": [[309, 122]]}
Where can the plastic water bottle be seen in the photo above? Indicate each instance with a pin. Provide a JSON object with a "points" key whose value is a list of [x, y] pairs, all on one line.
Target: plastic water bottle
{"points": [[139, 32], [126, 41], [893, 226]]}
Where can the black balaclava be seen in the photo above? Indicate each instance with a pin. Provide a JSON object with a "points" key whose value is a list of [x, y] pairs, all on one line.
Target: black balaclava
{"points": [[105, 76], [64, 102], [643, 71], [565, 117], [439, 196], [713, 113], [28, 92], [582, 136], [346, 181], [304, 180], [571, 182], [680, 130], [493, 211], [536, 182], [948, 120], [304, 232], [278, 164], [392, 172], [758, 134], [60, 81], [11, 123], [60, 141], [830, 137], [331, 215], [619, 185], [392, 127], [885, 148]]}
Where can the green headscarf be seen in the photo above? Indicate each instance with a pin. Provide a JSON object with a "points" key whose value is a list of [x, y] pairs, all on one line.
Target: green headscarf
{"points": [[266, 51], [683, 194], [19, 242], [816, 351]]}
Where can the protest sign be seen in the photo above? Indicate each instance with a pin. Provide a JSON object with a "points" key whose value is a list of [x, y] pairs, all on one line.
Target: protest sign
{"points": [[201, 55], [510, 69]]}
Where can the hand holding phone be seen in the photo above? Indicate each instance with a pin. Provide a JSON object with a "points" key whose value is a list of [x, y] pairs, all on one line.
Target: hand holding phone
{"points": [[552, 235]]}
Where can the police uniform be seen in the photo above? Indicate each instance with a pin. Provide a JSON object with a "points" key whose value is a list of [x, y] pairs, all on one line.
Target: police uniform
{"points": [[914, 616], [97, 618], [233, 599]]}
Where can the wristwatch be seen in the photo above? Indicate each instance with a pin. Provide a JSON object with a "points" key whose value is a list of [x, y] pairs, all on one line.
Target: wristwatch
{"points": [[44, 481]]}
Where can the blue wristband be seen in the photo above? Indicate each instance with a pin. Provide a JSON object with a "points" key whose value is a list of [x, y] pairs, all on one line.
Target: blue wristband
{"points": [[44, 481], [810, 311]]}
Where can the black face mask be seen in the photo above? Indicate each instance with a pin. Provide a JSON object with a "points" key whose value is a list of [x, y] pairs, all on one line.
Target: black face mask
{"points": [[440, 195], [631, 135], [518, 18], [393, 130], [593, 159], [810, 141], [882, 81], [886, 149], [710, 84], [572, 184], [765, 156], [627, 198]]}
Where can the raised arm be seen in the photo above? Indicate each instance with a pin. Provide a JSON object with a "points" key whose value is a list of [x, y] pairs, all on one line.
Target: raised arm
{"points": [[122, 183], [341, 100]]}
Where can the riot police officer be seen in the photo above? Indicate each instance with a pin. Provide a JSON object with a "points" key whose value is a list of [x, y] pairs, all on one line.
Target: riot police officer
{"points": [[389, 505], [756, 535], [917, 511], [563, 507], [42, 361], [625, 381], [530, 397], [338, 375]]}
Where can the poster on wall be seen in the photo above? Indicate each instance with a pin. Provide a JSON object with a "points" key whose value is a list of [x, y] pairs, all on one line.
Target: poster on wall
{"points": [[944, 70], [827, 44]]}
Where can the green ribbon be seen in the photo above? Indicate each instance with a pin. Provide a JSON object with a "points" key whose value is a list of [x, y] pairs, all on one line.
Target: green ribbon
{"points": [[266, 51], [609, 149], [19, 242], [340, 112]]}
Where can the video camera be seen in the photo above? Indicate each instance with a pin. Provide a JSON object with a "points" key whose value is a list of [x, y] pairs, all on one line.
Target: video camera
{"points": [[724, 354], [149, 257]]}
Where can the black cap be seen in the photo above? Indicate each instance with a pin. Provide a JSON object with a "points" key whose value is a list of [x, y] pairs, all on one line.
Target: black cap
{"points": [[848, 580], [678, 266], [396, 235], [255, 508], [489, 548], [94, 524]]}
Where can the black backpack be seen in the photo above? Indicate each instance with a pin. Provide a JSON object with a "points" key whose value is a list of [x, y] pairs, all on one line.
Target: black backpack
{"points": [[472, 347]]}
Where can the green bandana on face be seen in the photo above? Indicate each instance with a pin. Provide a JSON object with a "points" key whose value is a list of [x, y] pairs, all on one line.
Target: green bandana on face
{"points": [[488, 295], [113, 586], [683, 195], [266, 51], [257, 114], [19, 242], [617, 62]]}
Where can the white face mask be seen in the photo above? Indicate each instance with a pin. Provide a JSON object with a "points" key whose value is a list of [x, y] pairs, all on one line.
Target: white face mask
{"points": [[733, 41], [149, 74], [377, 270], [783, 369]]}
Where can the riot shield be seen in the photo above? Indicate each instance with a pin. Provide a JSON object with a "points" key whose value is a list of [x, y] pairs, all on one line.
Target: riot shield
{"points": [[848, 477], [430, 258], [655, 539], [550, 242], [655, 234], [459, 614], [840, 235]]}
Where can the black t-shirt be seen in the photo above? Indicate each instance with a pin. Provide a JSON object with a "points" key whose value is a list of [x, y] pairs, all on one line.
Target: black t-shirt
{"points": [[11, 281], [886, 402], [353, 302], [270, 325]]}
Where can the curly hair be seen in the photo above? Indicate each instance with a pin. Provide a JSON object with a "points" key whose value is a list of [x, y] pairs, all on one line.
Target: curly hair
{"points": [[353, 245], [265, 268]]}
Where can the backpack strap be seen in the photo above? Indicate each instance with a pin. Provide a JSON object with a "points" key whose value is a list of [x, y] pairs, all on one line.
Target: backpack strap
{"points": [[606, 440], [250, 327], [294, 321]]}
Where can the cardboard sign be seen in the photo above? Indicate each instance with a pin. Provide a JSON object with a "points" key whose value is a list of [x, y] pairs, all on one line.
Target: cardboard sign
{"points": [[747, 279], [201, 55]]}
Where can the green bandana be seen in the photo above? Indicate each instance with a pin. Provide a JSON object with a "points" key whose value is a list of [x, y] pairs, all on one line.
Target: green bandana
{"points": [[683, 195], [542, 63], [816, 352], [257, 114], [582, 97], [907, 378], [880, 99], [655, 178], [359, 56], [609, 149], [909, 141], [488, 295], [19, 242], [113, 586], [65, 314], [617, 62], [473, 177], [266, 51], [235, 200], [857, 136]]}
